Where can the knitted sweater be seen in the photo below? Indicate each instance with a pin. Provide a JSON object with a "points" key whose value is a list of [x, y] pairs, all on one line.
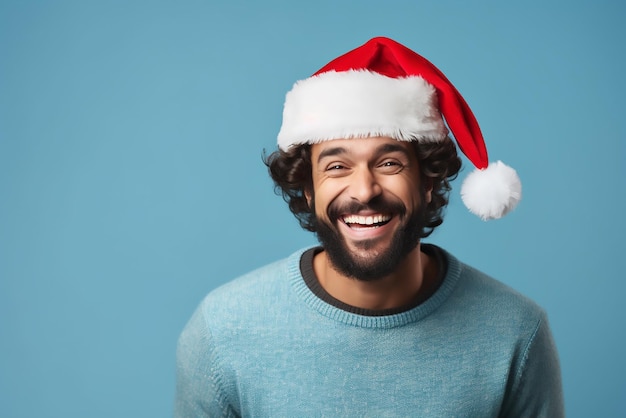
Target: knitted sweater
{"points": [[265, 345]]}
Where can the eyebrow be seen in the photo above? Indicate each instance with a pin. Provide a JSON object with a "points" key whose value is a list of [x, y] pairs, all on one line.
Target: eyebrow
{"points": [[383, 149], [387, 148], [330, 152]]}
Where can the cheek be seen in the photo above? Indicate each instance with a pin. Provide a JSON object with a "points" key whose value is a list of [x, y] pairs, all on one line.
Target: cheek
{"points": [[325, 195], [410, 192]]}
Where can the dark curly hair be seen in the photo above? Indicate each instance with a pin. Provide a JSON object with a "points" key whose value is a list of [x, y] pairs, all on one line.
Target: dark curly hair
{"points": [[292, 174]]}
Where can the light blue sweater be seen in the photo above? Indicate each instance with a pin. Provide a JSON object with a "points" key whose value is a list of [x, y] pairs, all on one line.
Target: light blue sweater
{"points": [[265, 346]]}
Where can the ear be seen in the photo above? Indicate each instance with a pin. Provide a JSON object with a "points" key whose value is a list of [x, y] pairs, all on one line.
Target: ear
{"points": [[428, 189], [309, 197]]}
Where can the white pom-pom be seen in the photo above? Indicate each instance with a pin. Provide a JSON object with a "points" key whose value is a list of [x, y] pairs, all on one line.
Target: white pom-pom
{"points": [[492, 192]]}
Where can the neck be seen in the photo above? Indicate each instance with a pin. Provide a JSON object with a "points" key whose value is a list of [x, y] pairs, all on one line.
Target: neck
{"points": [[413, 279]]}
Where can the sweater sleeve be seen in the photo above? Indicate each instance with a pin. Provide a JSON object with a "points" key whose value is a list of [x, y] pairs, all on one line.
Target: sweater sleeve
{"points": [[535, 391], [199, 390]]}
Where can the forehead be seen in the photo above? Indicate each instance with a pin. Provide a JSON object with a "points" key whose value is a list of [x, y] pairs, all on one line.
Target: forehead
{"points": [[361, 147]]}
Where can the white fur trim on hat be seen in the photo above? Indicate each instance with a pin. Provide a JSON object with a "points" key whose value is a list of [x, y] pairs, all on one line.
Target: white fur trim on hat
{"points": [[358, 103], [492, 192]]}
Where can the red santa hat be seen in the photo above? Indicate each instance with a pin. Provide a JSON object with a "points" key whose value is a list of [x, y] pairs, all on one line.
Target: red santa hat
{"points": [[382, 88]]}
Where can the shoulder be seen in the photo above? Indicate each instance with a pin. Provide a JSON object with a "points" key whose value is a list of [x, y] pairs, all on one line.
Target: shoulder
{"points": [[490, 302], [263, 279], [509, 329], [261, 290]]}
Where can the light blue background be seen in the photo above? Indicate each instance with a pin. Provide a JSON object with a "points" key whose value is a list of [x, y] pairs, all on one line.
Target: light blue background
{"points": [[131, 181]]}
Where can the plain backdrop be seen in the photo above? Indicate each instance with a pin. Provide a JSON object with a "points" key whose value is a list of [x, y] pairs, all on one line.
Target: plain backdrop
{"points": [[132, 182]]}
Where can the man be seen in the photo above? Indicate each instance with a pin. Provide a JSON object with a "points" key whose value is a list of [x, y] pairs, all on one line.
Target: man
{"points": [[373, 323]]}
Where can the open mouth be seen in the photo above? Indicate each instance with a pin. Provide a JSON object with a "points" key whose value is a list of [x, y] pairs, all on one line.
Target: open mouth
{"points": [[360, 222]]}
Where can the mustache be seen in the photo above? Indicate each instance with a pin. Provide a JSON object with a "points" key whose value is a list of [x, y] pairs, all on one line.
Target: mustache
{"points": [[378, 204]]}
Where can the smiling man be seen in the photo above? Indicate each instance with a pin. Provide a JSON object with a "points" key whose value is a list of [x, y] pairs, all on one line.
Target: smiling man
{"points": [[369, 207], [373, 322]]}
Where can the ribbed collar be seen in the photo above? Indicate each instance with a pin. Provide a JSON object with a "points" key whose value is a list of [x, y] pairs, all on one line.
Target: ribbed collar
{"points": [[366, 321]]}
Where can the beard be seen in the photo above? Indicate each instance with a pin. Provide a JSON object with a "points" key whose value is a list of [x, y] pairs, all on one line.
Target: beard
{"points": [[377, 264]]}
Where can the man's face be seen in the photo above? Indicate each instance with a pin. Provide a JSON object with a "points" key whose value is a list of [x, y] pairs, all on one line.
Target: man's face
{"points": [[369, 202]]}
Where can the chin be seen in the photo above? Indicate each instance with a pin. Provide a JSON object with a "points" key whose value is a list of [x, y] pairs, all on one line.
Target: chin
{"points": [[370, 260]]}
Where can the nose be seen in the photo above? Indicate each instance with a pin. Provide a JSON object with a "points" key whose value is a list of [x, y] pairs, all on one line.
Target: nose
{"points": [[364, 186]]}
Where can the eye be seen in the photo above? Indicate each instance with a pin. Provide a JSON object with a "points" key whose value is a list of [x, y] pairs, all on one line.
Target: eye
{"points": [[390, 166], [334, 167]]}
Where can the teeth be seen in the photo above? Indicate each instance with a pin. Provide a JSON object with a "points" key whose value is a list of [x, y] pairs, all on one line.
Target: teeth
{"points": [[366, 220]]}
